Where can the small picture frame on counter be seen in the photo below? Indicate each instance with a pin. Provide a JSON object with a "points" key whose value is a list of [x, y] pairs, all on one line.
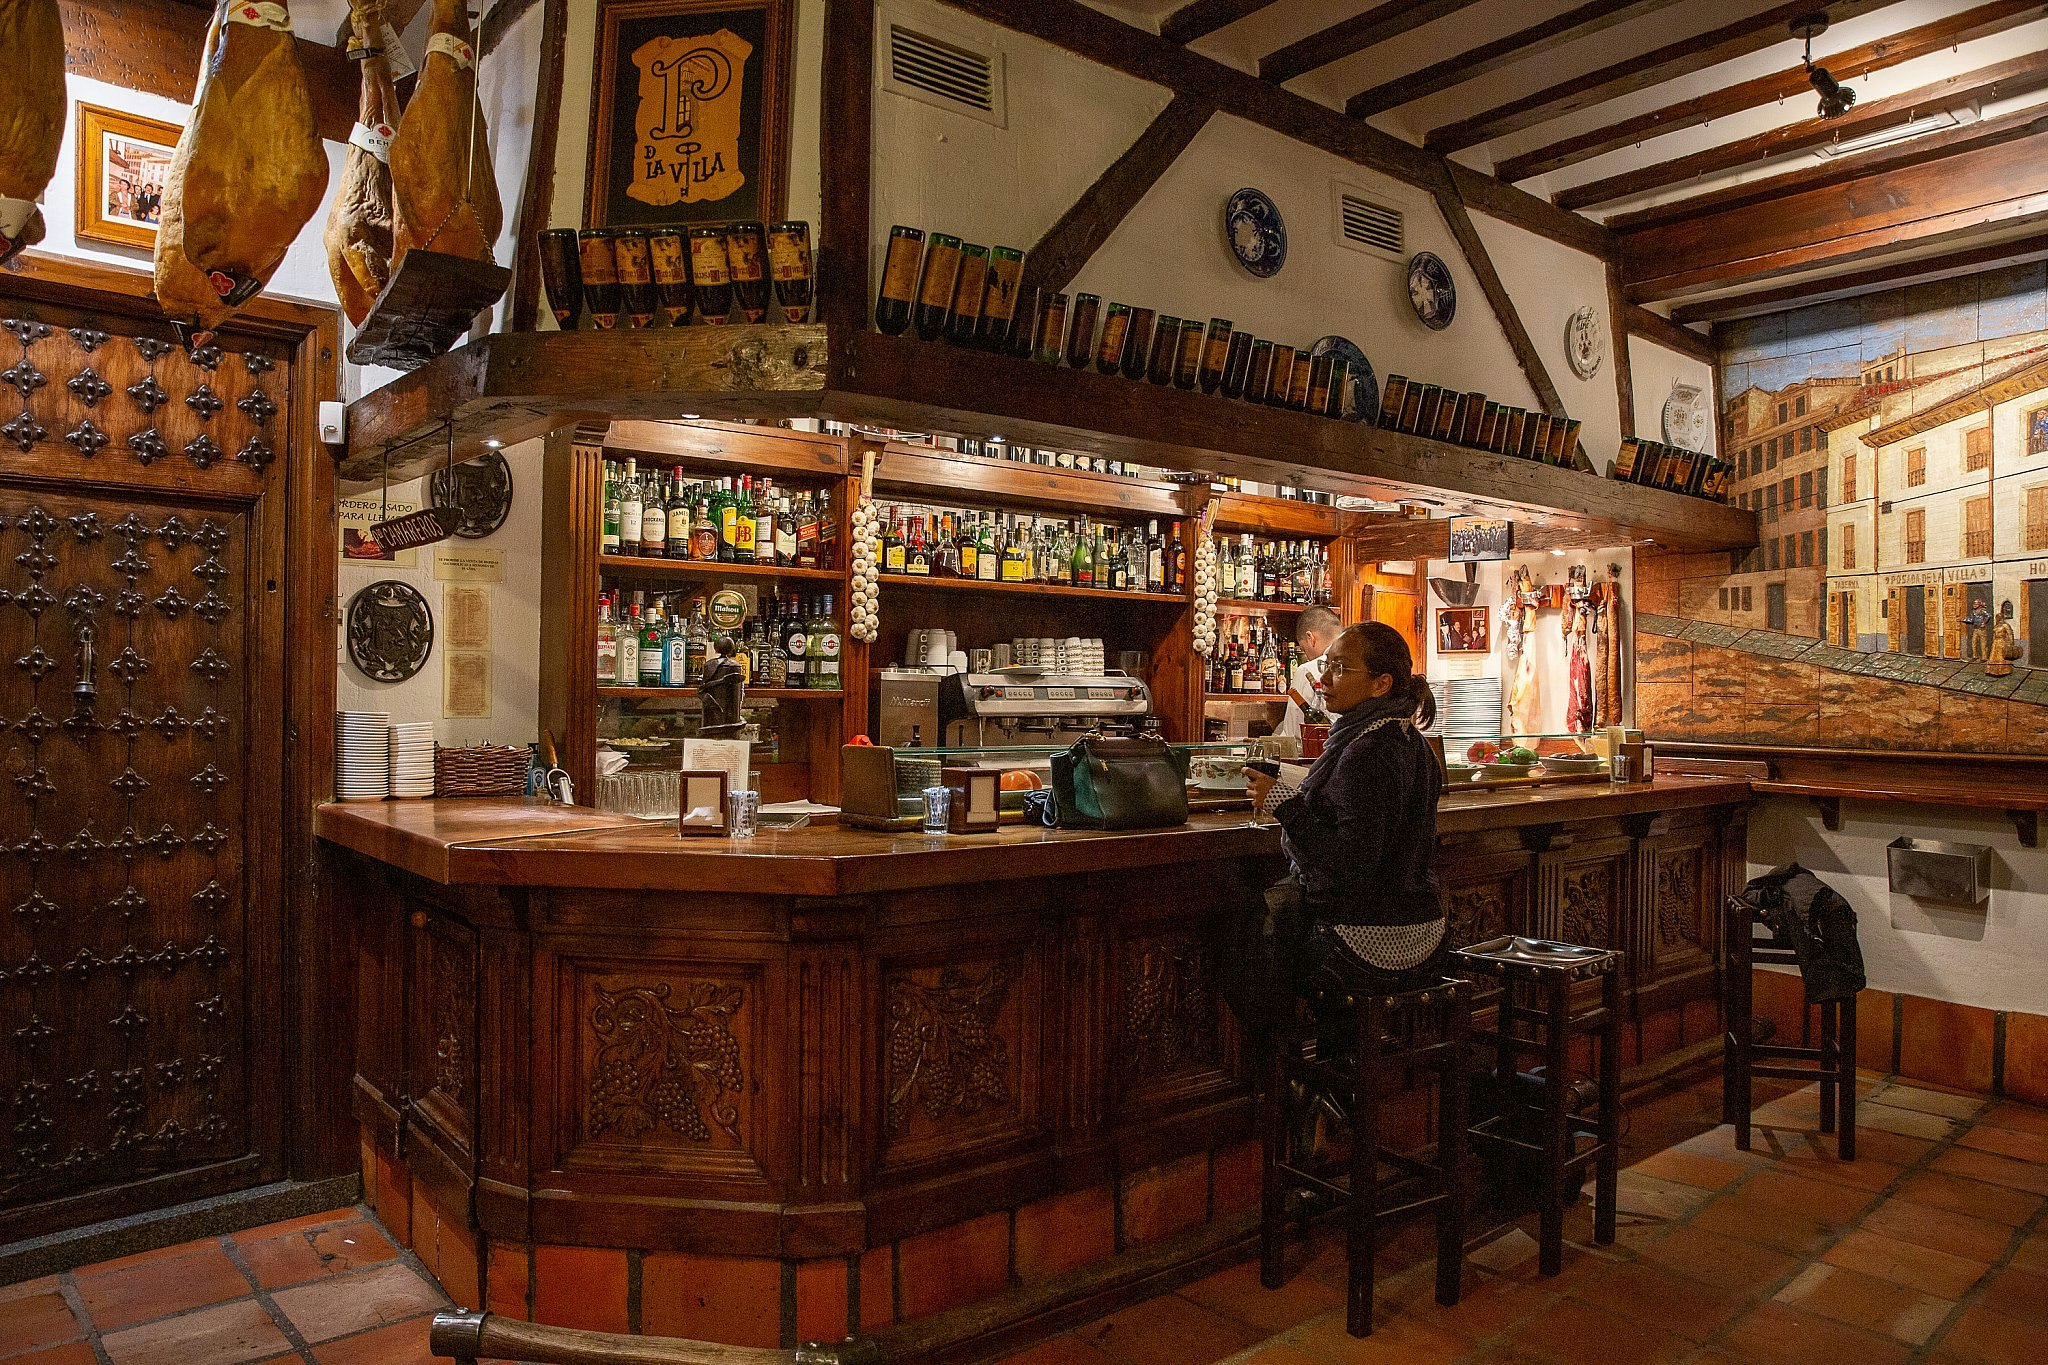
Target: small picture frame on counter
{"points": [[976, 806], [701, 808]]}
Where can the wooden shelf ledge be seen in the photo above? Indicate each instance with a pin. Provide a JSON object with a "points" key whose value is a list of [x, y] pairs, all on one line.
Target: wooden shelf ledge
{"points": [[2022, 808], [514, 386], [1252, 604], [710, 568]]}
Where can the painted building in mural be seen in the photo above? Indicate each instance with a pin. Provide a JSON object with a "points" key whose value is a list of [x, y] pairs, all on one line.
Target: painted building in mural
{"points": [[1895, 450]]}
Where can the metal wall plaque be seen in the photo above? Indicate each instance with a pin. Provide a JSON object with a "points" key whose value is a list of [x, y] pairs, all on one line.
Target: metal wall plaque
{"points": [[390, 631], [479, 491]]}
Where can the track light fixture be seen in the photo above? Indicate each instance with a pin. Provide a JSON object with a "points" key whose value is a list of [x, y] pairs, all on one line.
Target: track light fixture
{"points": [[1835, 98]]}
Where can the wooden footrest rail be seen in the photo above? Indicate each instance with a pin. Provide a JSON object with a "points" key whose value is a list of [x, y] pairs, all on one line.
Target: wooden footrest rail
{"points": [[466, 1336]]}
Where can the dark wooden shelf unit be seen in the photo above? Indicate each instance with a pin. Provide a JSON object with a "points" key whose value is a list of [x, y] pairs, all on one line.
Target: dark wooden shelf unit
{"points": [[892, 582], [1241, 605], [1265, 698], [701, 569], [919, 473], [515, 386]]}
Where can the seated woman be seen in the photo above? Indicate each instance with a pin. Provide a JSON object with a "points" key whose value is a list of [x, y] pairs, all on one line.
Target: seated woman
{"points": [[1360, 832]]}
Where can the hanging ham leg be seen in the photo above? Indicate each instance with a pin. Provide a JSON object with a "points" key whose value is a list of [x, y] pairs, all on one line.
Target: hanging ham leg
{"points": [[442, 186], [249, 172], [31, 117], [358, 236]]}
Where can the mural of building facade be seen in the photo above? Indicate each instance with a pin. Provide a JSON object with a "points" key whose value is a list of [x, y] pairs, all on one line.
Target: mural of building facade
{"points": [[1895, 450]]}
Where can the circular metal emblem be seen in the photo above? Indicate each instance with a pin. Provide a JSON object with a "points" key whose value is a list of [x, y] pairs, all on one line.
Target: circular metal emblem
{"points": [[479, 490], [1432, 293], [727, 610], [1585, 343], [390, 630]]}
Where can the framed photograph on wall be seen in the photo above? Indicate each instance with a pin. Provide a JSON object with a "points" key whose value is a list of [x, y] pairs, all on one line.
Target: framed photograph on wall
{"points": [[1464, 630], [123, 162], [690, 112], [1481, 540]]}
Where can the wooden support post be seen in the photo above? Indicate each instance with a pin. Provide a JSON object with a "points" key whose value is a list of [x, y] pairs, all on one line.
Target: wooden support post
{"points": [[1452, 206], [537, 197], [1617, 327], [1082, 229], [846, 157]]}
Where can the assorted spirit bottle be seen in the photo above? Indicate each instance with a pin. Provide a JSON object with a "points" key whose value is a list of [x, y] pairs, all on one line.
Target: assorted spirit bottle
{"points": [[1251, 658], [743, 519], [665, 640], [1252, 570], [920, 541]]}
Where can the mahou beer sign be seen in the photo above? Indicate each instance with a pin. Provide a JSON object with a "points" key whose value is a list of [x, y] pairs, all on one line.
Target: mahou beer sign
{"points": [[688, 119]]}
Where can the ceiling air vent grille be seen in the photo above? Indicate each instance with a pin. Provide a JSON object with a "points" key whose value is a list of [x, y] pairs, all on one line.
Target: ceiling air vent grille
{"points": [[1371, 226], [945, 73]]}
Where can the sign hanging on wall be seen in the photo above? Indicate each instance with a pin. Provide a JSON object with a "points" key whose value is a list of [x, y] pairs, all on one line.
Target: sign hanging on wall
{"points": [[691, 112]]}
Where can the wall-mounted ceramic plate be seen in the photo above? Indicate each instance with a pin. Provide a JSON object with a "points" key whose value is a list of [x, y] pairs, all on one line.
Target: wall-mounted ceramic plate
{"points": [[1585, 342], [1361, 385], [1431, 291], [1257, 233]]}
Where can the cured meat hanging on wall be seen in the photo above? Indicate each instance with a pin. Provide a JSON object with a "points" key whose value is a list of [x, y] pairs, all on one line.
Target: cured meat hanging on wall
{"points": [[442, 184], [359, 226], [248, 174], [31, 116]]}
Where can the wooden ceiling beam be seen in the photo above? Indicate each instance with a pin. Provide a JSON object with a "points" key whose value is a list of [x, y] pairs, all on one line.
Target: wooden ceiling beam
{"points": [[1490, 283], [1460, 67], [1998, 187], [1356, 34], [1638, 321], [1947, 265], [1931, 147], [1080, 232], [1983, 21], [1755, 33], [1204, 17], [1089, 33], [2003, 80]]}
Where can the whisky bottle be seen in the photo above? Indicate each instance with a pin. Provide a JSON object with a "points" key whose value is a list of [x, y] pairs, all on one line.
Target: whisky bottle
{"points": [[786, 519], [764, 522], [743, 522], [899, 281], [653, 521], [677, 542], [935, 285], [629, 511], [703, 528]]}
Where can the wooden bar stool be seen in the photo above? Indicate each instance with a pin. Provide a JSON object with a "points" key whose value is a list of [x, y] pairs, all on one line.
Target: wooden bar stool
{"points": [[1426, 1029], [1833, 1062], [1532, 995]]}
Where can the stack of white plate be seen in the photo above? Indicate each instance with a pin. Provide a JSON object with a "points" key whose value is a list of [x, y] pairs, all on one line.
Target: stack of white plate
{"points": [[1471, 708], [362, 755], [412, 759]]}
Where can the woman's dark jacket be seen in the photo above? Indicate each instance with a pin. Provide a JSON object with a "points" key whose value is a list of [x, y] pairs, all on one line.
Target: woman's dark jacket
{"points": [[1361, 831]]}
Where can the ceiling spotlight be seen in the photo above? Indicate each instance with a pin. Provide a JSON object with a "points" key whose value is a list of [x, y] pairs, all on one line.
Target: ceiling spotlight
{"points": [[1835, 98]]}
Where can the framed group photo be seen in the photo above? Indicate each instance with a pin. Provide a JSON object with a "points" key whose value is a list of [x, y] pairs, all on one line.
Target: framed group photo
{"points": [[1464, 630], [124, 162], [690, 112]]}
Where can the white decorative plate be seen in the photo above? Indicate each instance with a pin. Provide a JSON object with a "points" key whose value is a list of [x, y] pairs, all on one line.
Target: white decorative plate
{"points": [[1585, 342], [1685, 416]]}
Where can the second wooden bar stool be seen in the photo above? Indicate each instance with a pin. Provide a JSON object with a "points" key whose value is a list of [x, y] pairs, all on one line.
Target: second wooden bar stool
{"points": [[1534, 1017], [1396, 1035]]}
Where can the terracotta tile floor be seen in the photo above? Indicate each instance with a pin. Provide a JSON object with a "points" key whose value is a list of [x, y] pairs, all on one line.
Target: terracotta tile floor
{"points": [[1932, 1246], [331, 1289]]}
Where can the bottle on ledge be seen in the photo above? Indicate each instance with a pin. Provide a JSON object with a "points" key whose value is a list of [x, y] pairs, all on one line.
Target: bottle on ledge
{"points": [[629, 510], [795, 645], [746, 258], [1176, 563], [629, 644], [743, 524], [935, 286], [821, 649], [893, 303], [703, 528], [967, 295], [653, 520], [675, 653], [651, 652], [677, 543], [607, 643], [609, 537]]}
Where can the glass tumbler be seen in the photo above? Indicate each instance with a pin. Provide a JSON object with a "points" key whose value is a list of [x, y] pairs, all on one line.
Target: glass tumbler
{"points": [[743, 814], [938, 804]]}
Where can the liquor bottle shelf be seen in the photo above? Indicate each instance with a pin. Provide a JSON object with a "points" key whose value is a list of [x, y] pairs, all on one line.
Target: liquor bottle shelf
{"points": [[709, 568], [1269, 698], [893, 581], [1251, 604], [770, 693]]}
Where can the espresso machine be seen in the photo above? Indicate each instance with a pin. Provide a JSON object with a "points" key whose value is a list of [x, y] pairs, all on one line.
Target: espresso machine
{"points": [[1007, 708]]}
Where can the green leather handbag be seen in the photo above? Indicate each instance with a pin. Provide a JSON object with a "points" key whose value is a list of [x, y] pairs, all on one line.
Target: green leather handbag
{"points": [[1102, 783]]}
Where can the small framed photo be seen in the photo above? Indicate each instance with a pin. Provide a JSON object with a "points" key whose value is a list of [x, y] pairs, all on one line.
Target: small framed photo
{"points": [[701, 809], [124, 162], [1481, 540], [1464, 630]]}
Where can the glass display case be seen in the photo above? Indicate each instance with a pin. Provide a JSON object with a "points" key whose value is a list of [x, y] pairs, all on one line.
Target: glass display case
{"points": [[1492, 757]]}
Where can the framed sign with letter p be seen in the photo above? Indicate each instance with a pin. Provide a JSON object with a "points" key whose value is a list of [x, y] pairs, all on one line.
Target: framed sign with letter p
{"points": [[690, 112]]}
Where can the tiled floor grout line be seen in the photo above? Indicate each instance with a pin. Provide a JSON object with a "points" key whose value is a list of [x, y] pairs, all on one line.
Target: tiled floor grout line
{"points": [[1975, 1293], [262, 1296], [67, 1285]]}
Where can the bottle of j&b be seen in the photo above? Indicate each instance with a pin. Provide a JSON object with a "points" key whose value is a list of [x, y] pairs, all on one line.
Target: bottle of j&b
{"points": [[935, 286], [899, 280]]}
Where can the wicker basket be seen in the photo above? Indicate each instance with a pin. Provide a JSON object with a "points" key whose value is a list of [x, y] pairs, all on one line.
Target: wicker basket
{"points": [[480, 770]]}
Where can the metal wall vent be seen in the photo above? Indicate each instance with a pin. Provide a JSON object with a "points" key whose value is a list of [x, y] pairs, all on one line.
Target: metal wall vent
{"points": [[1369, 225], [945, 73]]}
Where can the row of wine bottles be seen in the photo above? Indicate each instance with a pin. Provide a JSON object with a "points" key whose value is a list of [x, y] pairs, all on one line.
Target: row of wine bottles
{"points": [[1473, 419], [975, 296], [686, 275], [1653, 464]]}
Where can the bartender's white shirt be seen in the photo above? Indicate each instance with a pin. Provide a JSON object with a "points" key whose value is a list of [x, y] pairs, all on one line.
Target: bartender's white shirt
{"points": [[1301, 687]]}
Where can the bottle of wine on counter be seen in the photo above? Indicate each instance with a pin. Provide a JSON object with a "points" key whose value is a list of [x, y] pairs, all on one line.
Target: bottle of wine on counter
{"points": [[895, 301]]}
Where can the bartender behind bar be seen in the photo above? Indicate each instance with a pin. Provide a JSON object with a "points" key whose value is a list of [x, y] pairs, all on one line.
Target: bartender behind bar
{"points": [[1315, 630]]}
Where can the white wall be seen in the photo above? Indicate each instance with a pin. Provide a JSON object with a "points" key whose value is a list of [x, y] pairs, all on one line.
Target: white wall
{"points": [[1990, 958], [515, 621], [1652, 371]]}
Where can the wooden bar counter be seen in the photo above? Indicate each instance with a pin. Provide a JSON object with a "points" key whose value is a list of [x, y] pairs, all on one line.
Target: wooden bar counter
{"points": [[940, 1090]]}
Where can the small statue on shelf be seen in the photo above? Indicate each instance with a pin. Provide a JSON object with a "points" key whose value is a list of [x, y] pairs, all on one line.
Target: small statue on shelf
{"points": [[723, 691]]}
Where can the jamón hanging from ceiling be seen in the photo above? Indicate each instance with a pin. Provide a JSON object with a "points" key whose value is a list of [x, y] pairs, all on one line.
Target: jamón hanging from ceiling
{"points": [[443, 187], [31, 118], [359, 226]]}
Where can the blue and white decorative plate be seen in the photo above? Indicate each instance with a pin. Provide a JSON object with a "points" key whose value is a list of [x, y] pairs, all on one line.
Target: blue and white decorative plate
{"points": [[1258, 236], [1431, 291], [1361, 385]]}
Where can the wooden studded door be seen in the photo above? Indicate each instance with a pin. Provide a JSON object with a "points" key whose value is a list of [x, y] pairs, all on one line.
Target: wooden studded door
{"points": [[141, 530]]}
